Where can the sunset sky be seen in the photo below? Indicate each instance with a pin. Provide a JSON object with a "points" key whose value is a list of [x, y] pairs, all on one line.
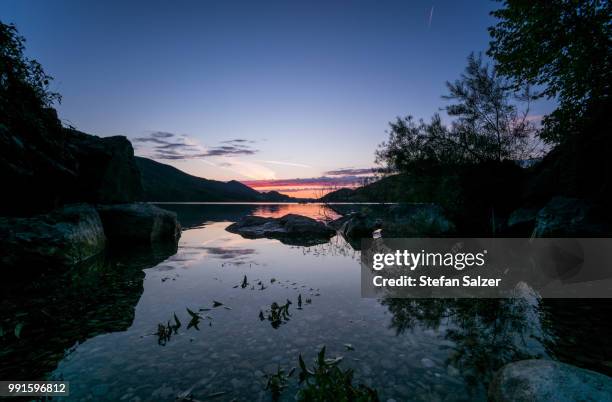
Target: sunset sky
{"points": [[281, 95]]}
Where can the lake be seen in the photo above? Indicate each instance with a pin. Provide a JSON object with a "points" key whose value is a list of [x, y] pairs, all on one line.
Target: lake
{"points": [[97, 326]]}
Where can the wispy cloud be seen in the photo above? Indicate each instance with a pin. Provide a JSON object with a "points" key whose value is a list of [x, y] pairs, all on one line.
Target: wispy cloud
{"points": [[238, 141], [431, 12], [170, 146], [350, 172]]}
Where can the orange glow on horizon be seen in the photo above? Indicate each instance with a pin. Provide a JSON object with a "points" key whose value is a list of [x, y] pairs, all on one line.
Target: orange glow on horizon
{"points": [[308, 191]]}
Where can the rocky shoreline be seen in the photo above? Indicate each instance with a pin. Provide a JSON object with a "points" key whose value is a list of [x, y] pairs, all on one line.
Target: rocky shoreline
{"points": [[75, 233], [73, 196]]}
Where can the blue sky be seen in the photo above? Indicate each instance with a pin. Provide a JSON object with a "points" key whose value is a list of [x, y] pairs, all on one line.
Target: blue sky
{"points": [[309, 86]]}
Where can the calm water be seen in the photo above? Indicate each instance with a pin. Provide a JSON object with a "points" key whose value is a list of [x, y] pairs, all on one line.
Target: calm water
{"points": [[95, 326]]}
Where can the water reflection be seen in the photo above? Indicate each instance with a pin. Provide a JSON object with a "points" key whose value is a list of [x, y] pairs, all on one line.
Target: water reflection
{"points": [[42, 320], [222, 337], [484, 334], [197, 215]]}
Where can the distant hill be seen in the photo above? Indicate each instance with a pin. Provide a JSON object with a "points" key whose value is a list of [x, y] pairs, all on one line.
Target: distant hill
{"points": [[166, 183], [387, 189]]}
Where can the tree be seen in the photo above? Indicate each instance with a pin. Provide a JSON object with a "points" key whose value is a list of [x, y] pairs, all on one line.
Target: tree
{"points": [[564, 47], [412, 144], [24, 86], [487, 126]]}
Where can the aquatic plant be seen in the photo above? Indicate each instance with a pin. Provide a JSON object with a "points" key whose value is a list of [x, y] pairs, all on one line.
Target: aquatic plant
{"points": [[325, 381], [164, 332], [277, 382], [277, 315], [195, 319]]}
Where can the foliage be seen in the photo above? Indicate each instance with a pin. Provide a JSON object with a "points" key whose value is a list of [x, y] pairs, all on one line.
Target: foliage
{"points": [[487, 127], [277, 315], [18, 73], [277, 382], [486, 333], [488, 124], [563, 46], [24, 86], [410, 143], [325, 381]]}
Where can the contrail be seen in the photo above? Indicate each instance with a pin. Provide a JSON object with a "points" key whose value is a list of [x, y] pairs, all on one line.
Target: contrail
{"points": [[287, 164], [430, 17]]}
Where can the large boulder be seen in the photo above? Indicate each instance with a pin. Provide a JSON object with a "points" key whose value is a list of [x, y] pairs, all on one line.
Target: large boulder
{"points": [[548, 381], [290, 229], [67, 236], [139, 223], [45, 166], [106, 169], [360, 225], [564, 216]]}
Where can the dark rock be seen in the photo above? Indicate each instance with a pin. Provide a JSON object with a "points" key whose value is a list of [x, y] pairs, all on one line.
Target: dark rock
{"points": [[48, 166], [360, 225], [337, 224], [106, 169], [564, 216], [546, 380], [34, 165], [139, 223], [290, 229], [66, 236]]}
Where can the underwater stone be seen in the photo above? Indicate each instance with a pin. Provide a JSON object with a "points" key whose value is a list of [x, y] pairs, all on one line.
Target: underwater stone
{"points": [[547, 380]]}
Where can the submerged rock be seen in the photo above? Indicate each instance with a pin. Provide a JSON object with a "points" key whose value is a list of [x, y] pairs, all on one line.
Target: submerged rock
{"points": [[564, 216], [290, 229], [546, 380], [66, 236], [139, 223]]}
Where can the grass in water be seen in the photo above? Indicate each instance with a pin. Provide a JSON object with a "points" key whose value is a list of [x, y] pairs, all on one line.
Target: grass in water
{"points": [[324, 381]]}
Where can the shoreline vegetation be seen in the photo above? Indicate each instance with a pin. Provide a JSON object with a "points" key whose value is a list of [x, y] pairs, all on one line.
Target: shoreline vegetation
{"points": [[74, 197]]}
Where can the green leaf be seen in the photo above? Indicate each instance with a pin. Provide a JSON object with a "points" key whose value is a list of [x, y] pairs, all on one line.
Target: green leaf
{"points": [[333, 362], [321, 357], [192, 314], [18, 329]]}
